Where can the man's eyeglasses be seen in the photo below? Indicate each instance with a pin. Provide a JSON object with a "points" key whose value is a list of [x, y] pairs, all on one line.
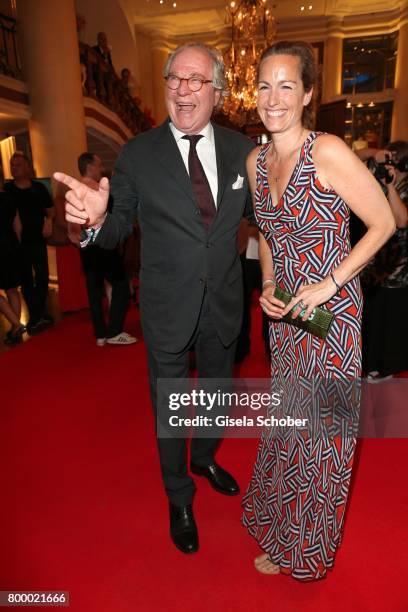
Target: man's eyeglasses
{"points": [[193, 83]]}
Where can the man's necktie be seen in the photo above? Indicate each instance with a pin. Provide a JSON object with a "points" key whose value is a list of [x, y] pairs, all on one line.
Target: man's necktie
{"points": [[200, 184]]}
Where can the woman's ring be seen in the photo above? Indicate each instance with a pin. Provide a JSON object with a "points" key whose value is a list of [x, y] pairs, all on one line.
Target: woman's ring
{"points": [[302, 305]]}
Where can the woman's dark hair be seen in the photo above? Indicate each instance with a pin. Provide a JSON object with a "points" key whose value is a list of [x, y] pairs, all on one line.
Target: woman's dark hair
{"points": [[308, 70]]}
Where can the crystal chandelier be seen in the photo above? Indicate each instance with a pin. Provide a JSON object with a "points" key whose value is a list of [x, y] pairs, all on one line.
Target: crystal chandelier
{"points": [[252, 30]]}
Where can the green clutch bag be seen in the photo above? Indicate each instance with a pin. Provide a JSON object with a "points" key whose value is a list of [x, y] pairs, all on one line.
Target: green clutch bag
{"points": [[317, 324]]}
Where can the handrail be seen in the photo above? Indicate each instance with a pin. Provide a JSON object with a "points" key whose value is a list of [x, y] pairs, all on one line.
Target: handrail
{"points": [[99, 79]]}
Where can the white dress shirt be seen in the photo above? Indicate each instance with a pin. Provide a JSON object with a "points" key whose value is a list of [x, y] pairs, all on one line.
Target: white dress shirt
{"points": [[206, 154]]}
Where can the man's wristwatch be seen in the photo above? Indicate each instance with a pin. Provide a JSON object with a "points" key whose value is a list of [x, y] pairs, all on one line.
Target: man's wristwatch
{"points": [[89, 234]]}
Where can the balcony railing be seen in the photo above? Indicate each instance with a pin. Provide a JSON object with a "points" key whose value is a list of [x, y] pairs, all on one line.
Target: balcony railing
{"points": [[10, 64], [100, 82]]}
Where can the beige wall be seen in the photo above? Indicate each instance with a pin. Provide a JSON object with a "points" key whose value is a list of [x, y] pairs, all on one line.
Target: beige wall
{"points": [[159, 59], [107, 16], [144, 69]]}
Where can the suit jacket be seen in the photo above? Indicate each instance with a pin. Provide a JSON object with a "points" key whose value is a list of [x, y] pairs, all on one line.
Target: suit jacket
{"points": [[179, 260], [105, 56]]}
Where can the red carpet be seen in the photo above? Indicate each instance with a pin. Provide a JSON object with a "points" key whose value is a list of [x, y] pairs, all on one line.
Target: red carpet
{"points": [[83, 508]]}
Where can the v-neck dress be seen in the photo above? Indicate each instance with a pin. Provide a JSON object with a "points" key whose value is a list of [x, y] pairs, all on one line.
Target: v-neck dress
{"points": [[295, 503]]}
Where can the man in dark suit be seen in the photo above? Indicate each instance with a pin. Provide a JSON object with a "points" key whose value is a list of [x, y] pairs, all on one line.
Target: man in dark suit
{"points": [[186, 180], [102, 48]]}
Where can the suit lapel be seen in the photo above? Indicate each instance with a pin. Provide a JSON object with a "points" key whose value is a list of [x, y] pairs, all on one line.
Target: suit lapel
{"points": [[168, 154], [223, 169]]}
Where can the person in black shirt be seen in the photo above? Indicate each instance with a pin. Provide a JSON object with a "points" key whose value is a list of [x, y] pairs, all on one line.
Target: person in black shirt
{"points": [[36, 210], [10, 234]]}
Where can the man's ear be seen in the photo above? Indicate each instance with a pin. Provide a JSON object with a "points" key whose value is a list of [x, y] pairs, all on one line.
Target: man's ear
{"points": [[217, 97]]}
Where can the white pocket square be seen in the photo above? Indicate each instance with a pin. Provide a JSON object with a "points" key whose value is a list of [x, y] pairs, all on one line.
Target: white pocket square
{"points": [[238, 183]]}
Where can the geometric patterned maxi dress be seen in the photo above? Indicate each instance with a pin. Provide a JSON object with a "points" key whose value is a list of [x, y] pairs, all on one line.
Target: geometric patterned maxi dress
{"points": [[295, 503]]}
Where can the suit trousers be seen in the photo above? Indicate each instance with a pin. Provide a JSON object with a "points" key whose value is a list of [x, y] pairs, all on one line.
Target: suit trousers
{"points": [[252, 276], [34, 278], [100, 265], [213, 360]]}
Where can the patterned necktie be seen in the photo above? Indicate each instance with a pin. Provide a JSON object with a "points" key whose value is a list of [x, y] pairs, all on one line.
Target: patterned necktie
{"points": [[200, 184]]}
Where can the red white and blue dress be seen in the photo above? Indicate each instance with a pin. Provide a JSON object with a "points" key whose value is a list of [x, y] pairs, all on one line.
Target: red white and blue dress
{"points": [[296, 500]]}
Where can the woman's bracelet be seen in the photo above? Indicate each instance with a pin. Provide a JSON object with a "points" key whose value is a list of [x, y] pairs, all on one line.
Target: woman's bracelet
{"points": [[335, 282], [268, 281]]}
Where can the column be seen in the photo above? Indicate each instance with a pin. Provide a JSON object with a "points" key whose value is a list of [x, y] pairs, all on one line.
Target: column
{"points": [[332, 62], [52, 72], [57, 125], [144, 69], [399, 127]]}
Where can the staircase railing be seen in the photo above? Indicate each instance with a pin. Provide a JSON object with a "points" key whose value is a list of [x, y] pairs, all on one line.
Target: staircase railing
{"points": [[10, 63], [100, 81]]}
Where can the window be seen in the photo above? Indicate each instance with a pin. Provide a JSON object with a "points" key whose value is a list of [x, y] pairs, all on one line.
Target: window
{"points": [[369, 63], [368, 125]]}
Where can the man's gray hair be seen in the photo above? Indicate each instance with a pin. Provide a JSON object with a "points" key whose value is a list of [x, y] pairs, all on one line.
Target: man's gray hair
{"points": [[219, 79]]}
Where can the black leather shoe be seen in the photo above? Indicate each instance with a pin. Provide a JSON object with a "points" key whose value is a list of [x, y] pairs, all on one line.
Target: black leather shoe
{"points": [[183, 528], [219, 479]]}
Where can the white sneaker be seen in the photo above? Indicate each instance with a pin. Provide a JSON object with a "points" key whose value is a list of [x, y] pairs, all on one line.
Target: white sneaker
{"points": [[375, 377], [100, 341], [122, 338]]}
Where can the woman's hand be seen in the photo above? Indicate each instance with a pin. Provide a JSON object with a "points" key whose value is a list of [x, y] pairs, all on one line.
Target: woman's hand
{"points": [[310, 296], [270, 304]]}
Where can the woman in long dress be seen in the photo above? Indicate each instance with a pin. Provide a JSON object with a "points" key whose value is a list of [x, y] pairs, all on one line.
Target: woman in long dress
{"points": [[304, 184]]}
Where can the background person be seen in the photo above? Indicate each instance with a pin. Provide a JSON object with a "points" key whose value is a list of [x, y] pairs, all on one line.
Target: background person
{"points": [[129, 83], [252, 277], [102, 48], [385, 282], [10, 268], [303, 184], [36, 211], [102, 265]]}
